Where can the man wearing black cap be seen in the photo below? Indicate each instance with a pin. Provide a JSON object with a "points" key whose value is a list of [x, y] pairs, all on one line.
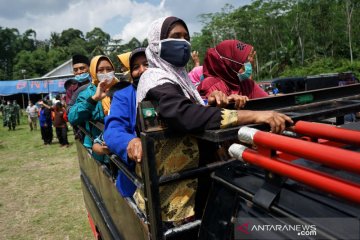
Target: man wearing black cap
{"points": [[74, 86], [82, 77]]}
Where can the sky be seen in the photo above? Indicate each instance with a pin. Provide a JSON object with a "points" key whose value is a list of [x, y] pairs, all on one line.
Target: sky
{"points": [[122, 19]]}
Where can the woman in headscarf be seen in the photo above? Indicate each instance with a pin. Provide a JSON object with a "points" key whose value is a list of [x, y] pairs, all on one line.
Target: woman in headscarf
{"points": [[120, 125], [167, 82], [93, 104], [180, 105], [196, 75], [228, 68], [125, 65]]}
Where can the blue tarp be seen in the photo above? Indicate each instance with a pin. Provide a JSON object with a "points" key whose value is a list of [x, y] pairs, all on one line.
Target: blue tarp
{"points": [[32, 87]]}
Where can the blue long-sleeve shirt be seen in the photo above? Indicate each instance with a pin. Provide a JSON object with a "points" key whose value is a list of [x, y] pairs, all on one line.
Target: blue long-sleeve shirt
{"points": [[45, 117], [120, 130]]}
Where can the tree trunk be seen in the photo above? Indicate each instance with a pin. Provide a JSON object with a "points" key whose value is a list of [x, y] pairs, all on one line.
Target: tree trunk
{"points": [[301, 49], [349, 11]]}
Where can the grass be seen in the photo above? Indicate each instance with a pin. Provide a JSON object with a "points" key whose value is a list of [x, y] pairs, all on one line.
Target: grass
{"points": [[40, 190]]}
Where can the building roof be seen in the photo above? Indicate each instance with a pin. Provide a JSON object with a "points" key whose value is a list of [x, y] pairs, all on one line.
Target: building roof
{"points": [[63, 69]]}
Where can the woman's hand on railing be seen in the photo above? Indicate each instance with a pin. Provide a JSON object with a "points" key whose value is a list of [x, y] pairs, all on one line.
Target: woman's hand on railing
{"points": [[277, 121], [239, 100], [218, 98], [134, 150]]}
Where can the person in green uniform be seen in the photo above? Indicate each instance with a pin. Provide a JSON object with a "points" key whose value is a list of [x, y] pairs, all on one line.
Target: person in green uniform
{"points": [[10, 115], [17, 112], [2, 108]]}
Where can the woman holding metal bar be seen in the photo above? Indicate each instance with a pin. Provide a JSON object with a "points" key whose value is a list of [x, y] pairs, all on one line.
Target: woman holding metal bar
{"points": [[180, 105], [167, 82]]}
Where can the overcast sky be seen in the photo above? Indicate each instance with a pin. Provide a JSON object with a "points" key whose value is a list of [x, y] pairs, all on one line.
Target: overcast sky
{"points": [[122, 19]]}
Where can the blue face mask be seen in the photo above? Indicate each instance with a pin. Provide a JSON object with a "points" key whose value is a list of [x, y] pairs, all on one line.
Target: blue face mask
{"points": [[82, 77], [247, 73], [175, 51]]}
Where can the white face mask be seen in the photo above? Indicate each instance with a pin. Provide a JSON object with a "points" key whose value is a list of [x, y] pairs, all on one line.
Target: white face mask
{"points": [[108, 77]]}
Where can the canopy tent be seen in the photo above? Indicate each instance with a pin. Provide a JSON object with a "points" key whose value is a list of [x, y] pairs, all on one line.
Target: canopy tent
{"points": [[38, 86]]}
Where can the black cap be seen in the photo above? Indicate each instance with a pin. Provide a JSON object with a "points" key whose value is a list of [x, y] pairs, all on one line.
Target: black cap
{"points": [[80, 59], [134, 53]]}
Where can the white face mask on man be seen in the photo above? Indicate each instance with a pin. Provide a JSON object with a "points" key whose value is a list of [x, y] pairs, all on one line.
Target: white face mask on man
{"points": [[107, 77]]}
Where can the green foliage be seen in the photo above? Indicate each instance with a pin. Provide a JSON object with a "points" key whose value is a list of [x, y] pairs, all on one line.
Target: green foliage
{"points": [[324, 65], [96, 39], [22, 56], [70, 36], [289, 36], [9, 45], [28, 40]]}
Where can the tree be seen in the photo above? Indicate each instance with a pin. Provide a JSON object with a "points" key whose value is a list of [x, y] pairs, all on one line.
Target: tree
{"points": [[9, 45], [55, 40], [67, 37], [97, 39], [28, 40], [145, 43], [23, 61], [349, 9], [289, 36]]}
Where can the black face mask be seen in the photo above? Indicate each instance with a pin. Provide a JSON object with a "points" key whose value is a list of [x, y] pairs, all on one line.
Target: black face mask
{"points": [[175, 51], [136, 82]]}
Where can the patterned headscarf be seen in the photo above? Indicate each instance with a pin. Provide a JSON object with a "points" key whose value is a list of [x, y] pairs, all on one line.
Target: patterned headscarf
{"points": [[160, 71]]}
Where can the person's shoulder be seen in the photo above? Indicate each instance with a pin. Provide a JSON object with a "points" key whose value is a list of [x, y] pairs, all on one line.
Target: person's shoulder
{"points": [[154, 73], [120, 86], [85, 90], [126, 91], [211, 79], [86, 87], [208, 82], [211, 84]]}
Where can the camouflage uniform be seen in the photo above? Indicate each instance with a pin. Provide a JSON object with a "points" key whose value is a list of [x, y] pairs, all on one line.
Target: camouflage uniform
{"points": [[10, 116], [2, 108], [17, 112]]}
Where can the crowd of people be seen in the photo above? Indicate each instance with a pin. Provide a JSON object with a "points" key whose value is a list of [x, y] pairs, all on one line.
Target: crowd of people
{"points": [[11, 114], [187, 102], [49, 114]]}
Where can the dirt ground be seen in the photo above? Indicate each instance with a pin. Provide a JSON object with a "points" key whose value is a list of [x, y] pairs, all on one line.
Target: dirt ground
{"points": [[40, 190]]}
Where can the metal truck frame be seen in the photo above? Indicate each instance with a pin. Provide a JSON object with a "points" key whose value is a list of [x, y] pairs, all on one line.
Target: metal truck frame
{"points": [[113, 217]]}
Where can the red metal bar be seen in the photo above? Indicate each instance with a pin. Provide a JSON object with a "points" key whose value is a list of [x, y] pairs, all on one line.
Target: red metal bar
{"points": [[331, 156], [333, 185], [93, 227], [329, 132]]}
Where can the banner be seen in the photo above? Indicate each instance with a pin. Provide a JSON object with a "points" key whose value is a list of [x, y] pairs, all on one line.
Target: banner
{"points": [[32, 87]]}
